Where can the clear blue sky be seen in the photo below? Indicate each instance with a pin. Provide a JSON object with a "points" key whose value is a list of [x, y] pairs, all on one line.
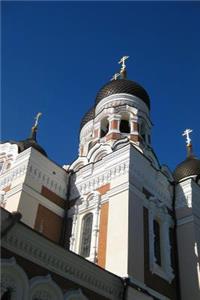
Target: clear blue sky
{"points": [[57, 55]]}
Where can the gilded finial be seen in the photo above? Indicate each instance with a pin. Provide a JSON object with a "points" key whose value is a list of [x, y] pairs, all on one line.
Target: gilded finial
{"points": [[123, 66], [186, 133], [35, 126]]}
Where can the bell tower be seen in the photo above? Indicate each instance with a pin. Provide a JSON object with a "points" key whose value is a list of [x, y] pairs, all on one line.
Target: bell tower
{"points": [[121, 206], [121, 111]]}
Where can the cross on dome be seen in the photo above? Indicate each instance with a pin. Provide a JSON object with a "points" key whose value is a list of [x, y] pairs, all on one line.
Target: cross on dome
{"points": [[35, 126], [122, 61], [123, 66], [37, 119], [115, 76], [187, 134]]}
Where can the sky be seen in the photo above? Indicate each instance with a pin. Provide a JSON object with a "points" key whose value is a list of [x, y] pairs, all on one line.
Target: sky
{"points": [[57, 55]]}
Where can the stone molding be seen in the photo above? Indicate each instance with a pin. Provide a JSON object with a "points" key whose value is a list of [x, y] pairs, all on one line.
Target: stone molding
{"points": [[44, 178], [86, 130], [33, 247], [90, 203], [185, 220], [122, 99], [43, 287], [118, 163], [12, 174], [103, 178], [118, 189], [145, 287], [158, 211], [40, 287], [153, 182], [98, 149], [13, 277], [75, 295], [29, 166], [44, 201]]}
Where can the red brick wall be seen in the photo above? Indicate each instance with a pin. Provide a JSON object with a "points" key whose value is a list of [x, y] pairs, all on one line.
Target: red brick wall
{"points": [[53, 197], [101, 261], [49, 222]]}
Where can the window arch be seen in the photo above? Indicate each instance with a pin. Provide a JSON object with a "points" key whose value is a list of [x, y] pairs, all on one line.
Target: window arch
{"points": [[86, 235], [14, 281], [43, 287]]}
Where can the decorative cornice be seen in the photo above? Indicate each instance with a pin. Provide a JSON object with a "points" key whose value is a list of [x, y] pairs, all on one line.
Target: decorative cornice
{"points": [[14, 173], [185, 220], [33, 247], [94, 182], [122, 99]]}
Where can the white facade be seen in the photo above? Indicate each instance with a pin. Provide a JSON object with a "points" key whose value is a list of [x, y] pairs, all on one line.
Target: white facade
{"points": [[188, 237], [122, 210], [23, 183]]}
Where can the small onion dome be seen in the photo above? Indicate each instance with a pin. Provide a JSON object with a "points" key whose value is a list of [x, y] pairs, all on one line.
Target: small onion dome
{"points": [[23, 145], [123, 86], [189, 167], [87, 117], [29, 142]]}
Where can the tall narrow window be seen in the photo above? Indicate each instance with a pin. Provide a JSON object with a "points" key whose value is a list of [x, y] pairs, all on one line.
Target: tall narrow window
{"points": [[157, 248], [124, 126], [86, 233], [104, 127]]}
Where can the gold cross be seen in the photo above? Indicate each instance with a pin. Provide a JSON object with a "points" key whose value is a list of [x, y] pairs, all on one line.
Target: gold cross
{"points": [[122, 61], [187, 134]]}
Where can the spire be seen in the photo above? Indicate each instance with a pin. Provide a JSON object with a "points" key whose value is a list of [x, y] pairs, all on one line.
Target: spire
{"points": [[186, 133], [35, 126], [123, 66]]}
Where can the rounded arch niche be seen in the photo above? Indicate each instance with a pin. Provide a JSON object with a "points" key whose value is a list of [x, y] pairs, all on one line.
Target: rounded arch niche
{"points": [[75, 295], [13, 280], [44, 288]]}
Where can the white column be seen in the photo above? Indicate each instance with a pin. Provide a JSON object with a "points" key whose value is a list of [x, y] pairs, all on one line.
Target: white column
{"points": [[114, 118], [95, 230], [74, 211]]}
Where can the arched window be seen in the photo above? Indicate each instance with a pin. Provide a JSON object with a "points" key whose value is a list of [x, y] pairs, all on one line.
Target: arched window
{"points": [[124, 126], [86, 233], [104, 127]]}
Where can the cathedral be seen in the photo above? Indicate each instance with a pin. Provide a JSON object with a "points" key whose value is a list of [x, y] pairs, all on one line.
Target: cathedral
{"points": [[115, 224]]}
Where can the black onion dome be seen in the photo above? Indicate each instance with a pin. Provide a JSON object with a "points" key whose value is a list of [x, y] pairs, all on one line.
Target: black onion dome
{"points": [[29, 142], [190, 166], [123, 86], [87, 117]]}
